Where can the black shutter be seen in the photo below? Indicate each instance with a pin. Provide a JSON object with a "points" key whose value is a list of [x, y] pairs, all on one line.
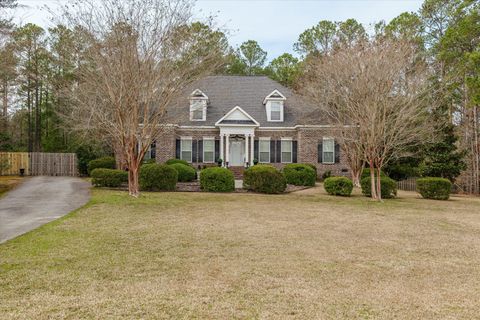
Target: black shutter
{"points": [[200, 150], [279, 151], [294, 151], [217, 150], [255, 150], [320, 152], [337, 153], [177, 149], [194, 151], [153, 150], [272, 151]]}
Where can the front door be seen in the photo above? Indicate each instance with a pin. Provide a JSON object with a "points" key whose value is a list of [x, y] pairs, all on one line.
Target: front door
{"points": [[237, 153]]}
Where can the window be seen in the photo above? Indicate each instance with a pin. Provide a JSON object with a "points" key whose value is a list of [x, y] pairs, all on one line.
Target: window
{"points": [[264, 151], [276, 111], [186, 149], [286, 151], [328, 150], [198, 110], [208, 150], [151, 152]]}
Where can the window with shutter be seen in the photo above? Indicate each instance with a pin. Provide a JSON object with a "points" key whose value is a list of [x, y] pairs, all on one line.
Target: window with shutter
{"points": [[264, 151], [186, 149], [286, 151], [208, 150], [328, 152]]}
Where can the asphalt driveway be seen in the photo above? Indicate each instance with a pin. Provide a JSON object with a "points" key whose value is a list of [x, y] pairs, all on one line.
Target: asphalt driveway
{"points": [[39, 200]]}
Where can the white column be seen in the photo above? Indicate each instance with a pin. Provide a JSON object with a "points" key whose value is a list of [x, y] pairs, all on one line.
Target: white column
{"points": [[221, 150], [252, 155], [227, 148], [246, 151]]}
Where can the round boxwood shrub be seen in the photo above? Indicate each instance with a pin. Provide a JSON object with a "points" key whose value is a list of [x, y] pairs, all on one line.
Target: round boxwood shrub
{"points": [[434, 188], [105, 163], [185, 173], [173, 161], [111, 178], [338, 186], [300, 174], [217, 179], [158, 177], [264, 179], [388, 187]]}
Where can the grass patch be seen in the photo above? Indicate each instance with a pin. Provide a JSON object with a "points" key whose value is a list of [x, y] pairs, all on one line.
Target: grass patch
{"points": [[8, 182], [219, 256]]}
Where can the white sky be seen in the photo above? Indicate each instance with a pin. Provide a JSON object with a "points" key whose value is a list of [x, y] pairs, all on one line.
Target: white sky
{"points": [[276, 25]]}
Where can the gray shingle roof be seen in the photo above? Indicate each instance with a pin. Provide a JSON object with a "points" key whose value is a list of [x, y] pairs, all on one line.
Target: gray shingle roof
{"points": [[247, 92]]}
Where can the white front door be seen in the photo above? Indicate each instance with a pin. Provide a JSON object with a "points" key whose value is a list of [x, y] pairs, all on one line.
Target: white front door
{"points": [[237, 153]]}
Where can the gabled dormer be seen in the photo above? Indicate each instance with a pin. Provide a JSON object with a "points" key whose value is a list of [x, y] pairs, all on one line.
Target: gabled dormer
{"points": [[198, 106], [274, 106]]}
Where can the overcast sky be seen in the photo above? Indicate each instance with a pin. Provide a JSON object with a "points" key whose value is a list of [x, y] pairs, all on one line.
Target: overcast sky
{"points": [[274, 24]]}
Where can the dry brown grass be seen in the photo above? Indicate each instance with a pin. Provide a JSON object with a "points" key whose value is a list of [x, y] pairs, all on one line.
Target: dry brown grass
{"points": [[212, 256], [8, 182]]}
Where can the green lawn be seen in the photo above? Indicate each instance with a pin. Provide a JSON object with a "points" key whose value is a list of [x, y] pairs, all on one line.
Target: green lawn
{"points": [[242, 256]]}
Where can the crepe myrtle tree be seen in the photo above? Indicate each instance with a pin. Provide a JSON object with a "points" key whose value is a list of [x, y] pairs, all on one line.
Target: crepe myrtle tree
{"points": [[377, 92], [140, 55]]}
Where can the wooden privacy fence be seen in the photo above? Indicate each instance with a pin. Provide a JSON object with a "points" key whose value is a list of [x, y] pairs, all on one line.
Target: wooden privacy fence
{"points": [[40, 163]]}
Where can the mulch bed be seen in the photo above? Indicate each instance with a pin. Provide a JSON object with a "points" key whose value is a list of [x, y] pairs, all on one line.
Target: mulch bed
{"points": [[194, 186]]}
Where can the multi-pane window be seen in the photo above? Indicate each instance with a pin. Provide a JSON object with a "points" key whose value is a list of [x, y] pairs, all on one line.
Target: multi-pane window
{"points": [[264, 151], [197, 109], [328, 150], [208, 150], [286, 151], [275, 111], [186, 150]]}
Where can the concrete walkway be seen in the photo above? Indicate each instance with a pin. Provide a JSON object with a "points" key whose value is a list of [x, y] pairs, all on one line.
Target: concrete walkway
{"points": [[39, 200]]}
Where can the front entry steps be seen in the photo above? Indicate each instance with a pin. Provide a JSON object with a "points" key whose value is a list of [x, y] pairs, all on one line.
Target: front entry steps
{"points": [[237, 172]]}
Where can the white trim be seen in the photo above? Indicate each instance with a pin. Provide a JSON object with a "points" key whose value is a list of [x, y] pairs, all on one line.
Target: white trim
{"points": [[268, 97], [218, 124], [268, 110], [194, 93], [203, 151], [323, 148]]}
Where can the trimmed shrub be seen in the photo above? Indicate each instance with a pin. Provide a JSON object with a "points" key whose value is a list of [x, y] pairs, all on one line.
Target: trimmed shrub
{"points": [[185, 173], [327, 174], [313, 166], [111, 178], [300, 174], [105, 163], [338, 186], [264, 179], [388, 187], [149, 161], [434, 188], [173, 161], [158, 177], [217, 179]]}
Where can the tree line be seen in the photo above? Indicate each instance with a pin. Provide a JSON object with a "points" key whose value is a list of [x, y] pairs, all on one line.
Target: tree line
{"points": [[50, 78]]}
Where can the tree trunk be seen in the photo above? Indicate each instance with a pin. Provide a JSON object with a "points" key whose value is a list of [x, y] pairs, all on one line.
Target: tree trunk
{"points": [[373, 186], [379, 185], [356, 173], [133, 185]]}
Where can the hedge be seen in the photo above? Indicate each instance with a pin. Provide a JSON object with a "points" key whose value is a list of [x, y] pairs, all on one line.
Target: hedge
{"points": [[264, 179], [105, 163], [300, 174], [158, 177], [185, 173], [217, 179], [366, 173], [434, 188], [173, 161], [338, 186], [388, 187], [111, 178]]}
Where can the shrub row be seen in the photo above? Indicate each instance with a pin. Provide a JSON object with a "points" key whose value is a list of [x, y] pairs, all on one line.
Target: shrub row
{"points": [[110, 178], [105, 163], [264, 179], [158, 177], [217, 179], [300, 174], [338, 186]]}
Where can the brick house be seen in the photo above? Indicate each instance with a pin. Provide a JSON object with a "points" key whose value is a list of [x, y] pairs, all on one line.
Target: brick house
{"points": [[245, 119]]}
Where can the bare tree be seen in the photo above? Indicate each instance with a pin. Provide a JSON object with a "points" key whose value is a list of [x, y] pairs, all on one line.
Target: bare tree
{"points": [[378, 89], [140, 56]]}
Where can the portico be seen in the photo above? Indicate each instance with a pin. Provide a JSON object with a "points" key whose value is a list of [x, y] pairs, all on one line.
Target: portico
{"points": [[237, 134]]}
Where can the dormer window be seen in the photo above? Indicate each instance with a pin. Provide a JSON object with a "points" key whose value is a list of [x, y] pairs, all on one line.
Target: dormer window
{"points": [[198, 106], [274, 105]]}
